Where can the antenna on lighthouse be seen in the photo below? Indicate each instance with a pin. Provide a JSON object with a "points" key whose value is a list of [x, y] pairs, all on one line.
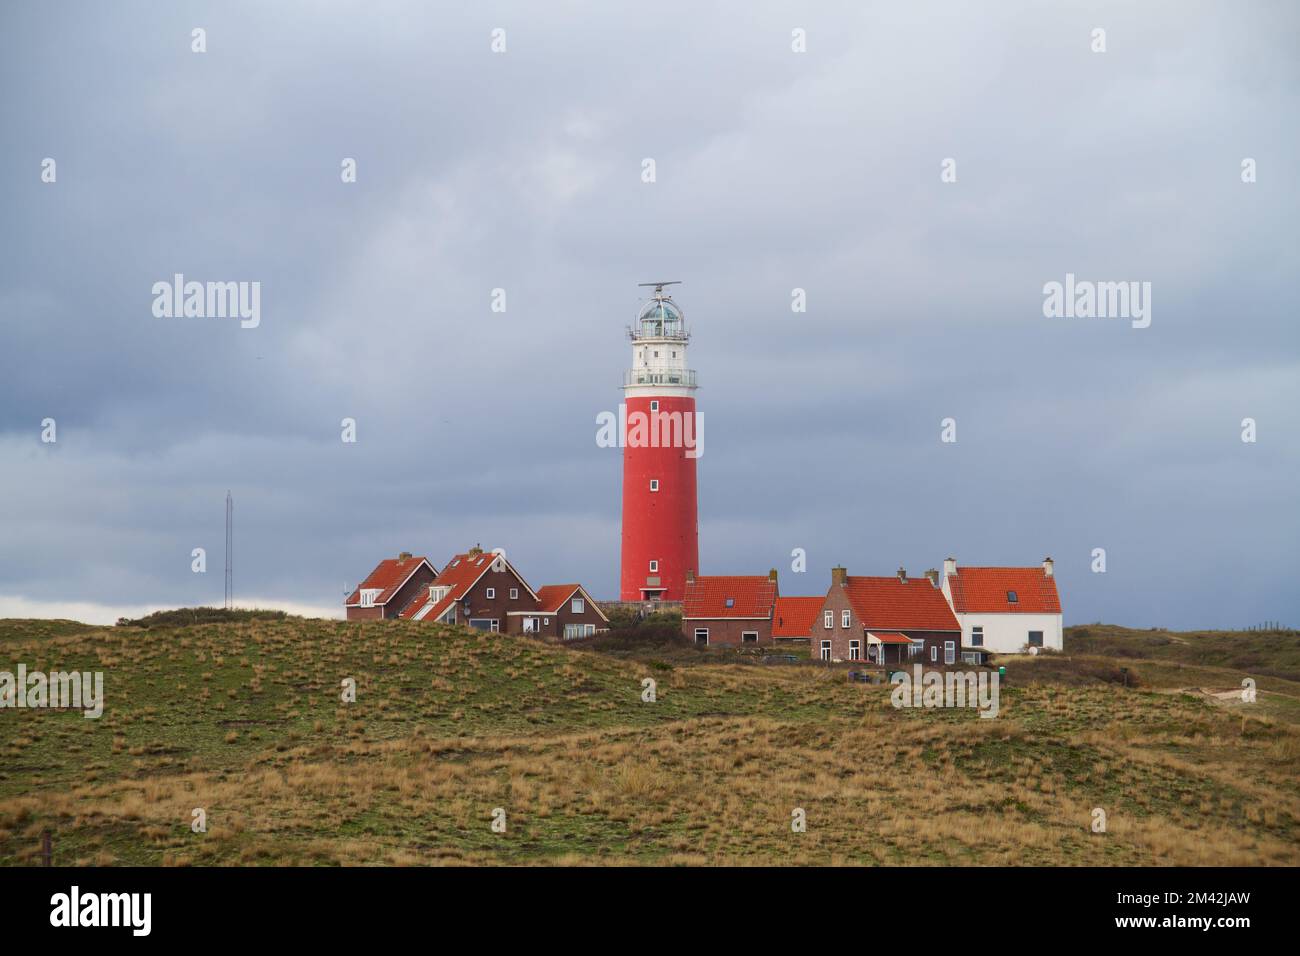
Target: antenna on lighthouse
{"points": [[659, 286]]}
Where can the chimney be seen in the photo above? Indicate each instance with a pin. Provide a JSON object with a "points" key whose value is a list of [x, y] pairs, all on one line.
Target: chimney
{"points": [[933, 575], [475, 551], [949, 567], [771, 575], [690, 575], [404, 556], [838, 575], [902, 575], [1047, 566]]}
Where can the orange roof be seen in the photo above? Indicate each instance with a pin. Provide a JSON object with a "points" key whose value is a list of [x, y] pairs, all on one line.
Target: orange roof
{"points": [[741, 596], [551, 597], [389, 575], [794, 616], [460, 574], [989, 590], [890, 637], [896, 605]]}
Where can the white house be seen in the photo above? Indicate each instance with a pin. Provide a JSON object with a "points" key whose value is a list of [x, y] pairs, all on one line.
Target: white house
{"points": [[1005, 610]]}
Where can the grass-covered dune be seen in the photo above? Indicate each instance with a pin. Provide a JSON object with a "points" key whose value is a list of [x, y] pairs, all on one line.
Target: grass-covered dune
{"points": [[244, 719]]}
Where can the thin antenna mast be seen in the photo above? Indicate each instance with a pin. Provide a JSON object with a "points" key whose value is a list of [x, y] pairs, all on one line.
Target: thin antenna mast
{"points": [[230, 556]]}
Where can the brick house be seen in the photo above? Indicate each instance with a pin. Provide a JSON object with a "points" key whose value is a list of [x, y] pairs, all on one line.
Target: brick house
{"points": [[889, 620], [793, 617], [476, 588], [729, 609], [390, 588], [563, 610]]}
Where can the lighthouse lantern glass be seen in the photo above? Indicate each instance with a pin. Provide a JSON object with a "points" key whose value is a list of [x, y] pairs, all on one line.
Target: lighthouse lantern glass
{"points": [[660, 318]]}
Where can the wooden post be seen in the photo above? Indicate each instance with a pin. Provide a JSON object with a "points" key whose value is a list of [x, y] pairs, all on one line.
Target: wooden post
{"points": [[47, 849]]}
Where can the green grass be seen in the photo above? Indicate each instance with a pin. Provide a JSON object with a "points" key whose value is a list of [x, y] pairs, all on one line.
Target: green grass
{"points": [[243, 717]]}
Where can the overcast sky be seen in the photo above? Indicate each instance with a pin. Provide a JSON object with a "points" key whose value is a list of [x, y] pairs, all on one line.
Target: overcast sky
{"points": [[775, 170]]}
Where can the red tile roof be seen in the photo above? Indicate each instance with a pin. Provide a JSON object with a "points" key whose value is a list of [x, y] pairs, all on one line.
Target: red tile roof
{"points": [[895, 605], [389, 575], [984, 591], [551, 597], [890, 637], [460, 574], [751, 596], [794, 616]]}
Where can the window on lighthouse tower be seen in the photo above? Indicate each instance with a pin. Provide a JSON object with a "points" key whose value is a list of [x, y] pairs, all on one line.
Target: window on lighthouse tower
{"points": [[654, 484]]}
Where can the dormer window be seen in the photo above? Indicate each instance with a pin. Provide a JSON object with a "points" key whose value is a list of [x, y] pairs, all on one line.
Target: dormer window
{"points": [[1012, 598], [369, 596]]}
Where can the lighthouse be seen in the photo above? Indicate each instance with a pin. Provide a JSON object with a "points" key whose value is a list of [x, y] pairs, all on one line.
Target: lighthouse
{"points": [[661, 442]]}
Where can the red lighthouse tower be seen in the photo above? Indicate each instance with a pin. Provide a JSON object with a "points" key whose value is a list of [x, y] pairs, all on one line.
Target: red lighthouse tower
{"points": [[661, 440]]}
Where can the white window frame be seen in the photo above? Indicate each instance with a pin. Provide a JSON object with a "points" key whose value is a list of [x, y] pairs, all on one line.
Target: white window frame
{"points": [[368, 596], [855, 650], [654, 484], [704, 632], [949, 652], [826, 650], [977, 635], [845, 617], [934, 653], [828, 619], [654, 405], [654, 567], [745, 635], [514, 594], [578, 606], [916, 648], [1042, 638], [490, 593]]}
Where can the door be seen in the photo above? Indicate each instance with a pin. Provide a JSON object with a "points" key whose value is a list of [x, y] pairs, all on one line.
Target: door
{"points": [[826, 650]]}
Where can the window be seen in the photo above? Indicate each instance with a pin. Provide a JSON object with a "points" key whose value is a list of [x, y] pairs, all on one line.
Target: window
{"points": [[530, 625], [701, 635], [491, 593], [368, 596], [826, 650], [749, 637], [977, 636], [1035, 638], [654, 567], [654, 484], [934, 653], [654, 406], [844, 618], [730, 602], [578, 606], [514, 594], [1012, 598], [855, 650], [916, 649], [485, 624], [828, 620], [546, 621], [950, 652], [578, 630]]}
